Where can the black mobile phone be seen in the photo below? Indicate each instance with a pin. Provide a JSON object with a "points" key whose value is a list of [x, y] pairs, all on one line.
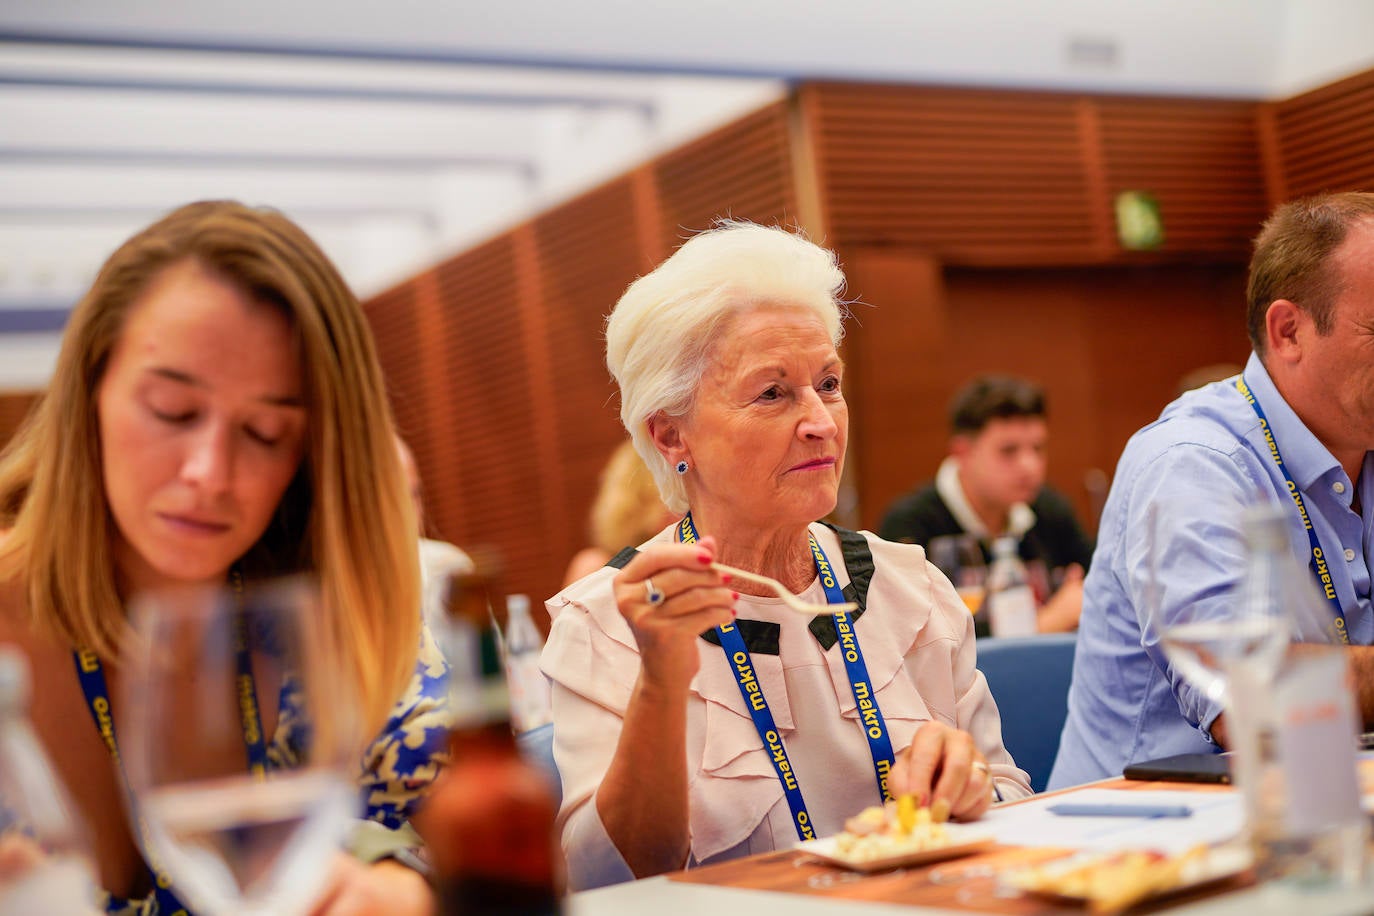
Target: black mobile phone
{"points": [[1183, 768]]}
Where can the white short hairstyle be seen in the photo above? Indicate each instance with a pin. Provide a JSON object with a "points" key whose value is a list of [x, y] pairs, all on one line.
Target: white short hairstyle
{"points": [[660, 333]]}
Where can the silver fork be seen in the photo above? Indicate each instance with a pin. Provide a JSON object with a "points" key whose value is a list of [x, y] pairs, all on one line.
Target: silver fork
{"points": [[789, 599]]}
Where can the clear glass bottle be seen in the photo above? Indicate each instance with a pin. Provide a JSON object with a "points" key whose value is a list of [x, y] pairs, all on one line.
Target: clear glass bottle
{"points": [[47, 864], [1010, 600], [1291, 718], [529, 688]]}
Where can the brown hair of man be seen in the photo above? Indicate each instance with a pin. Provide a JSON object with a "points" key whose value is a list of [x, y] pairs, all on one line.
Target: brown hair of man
{"points": [[993, 397], [1292, 258]]}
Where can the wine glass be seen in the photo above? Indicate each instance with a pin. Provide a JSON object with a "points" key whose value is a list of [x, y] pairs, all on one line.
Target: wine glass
{"points": [[1201, 645], [45, 853], [960, 558], [238, 735]]}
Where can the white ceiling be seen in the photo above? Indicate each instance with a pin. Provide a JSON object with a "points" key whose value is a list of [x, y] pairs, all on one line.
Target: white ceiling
{"points": [[398, 133]]}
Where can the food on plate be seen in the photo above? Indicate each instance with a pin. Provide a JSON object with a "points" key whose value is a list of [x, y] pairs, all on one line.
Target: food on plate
{"points": [[1113, 882], [897, 827]]}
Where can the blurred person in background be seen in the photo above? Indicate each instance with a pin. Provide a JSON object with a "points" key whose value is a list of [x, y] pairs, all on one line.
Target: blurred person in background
{"points": [[440, 561], [627, 511], [993, 484], [218, 413], [731, 389], [1185, 480]]}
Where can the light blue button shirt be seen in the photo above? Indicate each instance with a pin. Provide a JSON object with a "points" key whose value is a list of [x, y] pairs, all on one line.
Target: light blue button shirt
{"points": [[1200, 465]]}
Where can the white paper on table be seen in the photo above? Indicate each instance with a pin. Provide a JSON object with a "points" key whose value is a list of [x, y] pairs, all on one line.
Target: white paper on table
{"points": [[1217, 816]]}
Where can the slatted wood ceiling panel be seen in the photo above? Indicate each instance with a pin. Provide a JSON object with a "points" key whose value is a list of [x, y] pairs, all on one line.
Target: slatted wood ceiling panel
{"points": [[14, 408], [490, 493], [1326, 138], [971, 176], [587, 255], [742, 170], [1199, 158]]}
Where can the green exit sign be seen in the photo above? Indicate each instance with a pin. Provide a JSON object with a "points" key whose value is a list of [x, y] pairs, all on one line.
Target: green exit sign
{"points": [[1138, 223]]}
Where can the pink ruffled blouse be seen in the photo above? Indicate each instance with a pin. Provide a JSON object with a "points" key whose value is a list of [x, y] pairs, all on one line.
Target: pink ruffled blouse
{"points": [[917, 639]]}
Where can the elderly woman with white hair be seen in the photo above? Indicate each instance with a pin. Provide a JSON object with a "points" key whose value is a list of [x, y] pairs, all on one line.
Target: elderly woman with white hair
{"points": [[697, 717]]}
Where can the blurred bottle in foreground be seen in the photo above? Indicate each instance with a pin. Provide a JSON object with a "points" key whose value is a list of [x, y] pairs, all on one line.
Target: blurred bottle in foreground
{"points": [[529, 688], [44, 859], [1292, 720], [1010, 599], [489, 820]]}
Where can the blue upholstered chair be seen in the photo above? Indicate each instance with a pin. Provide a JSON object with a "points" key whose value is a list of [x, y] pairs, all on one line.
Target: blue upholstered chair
{"points": [[1029, 678], [537, 747]]}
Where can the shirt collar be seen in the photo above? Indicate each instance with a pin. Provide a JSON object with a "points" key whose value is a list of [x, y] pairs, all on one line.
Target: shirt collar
{"points": [[1303, 454], [1020, 517]]}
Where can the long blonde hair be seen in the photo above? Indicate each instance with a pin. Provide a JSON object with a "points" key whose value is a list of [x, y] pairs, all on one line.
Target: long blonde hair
{"points": [[346, 516]]}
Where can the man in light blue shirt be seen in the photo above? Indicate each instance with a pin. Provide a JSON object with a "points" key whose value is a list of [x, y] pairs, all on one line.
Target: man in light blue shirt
{"points": [[1196, 468]]}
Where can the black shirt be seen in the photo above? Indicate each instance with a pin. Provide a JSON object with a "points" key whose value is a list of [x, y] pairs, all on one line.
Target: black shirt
{"points": [[1055, 539]]}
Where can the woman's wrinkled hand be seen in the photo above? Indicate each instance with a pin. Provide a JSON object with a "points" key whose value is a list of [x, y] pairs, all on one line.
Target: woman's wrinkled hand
{"points": [[944, 763], [669, 594], [383, 888]]}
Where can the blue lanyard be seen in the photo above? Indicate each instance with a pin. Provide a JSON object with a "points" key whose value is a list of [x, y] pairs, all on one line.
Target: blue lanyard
{"points": [[250, 714], [91, 674], [870, 717], [1318, 563]]}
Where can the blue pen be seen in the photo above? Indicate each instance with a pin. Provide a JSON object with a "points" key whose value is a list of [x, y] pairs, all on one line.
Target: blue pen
{"points": [[1069, 809]]}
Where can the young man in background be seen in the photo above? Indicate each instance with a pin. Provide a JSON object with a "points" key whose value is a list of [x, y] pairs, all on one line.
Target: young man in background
{"points": [[993, 484]]}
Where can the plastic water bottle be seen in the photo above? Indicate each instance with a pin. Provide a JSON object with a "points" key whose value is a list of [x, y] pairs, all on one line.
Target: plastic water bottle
{"points": [[1010, 599], [36, 814], [529, 688], [1291, 718]]}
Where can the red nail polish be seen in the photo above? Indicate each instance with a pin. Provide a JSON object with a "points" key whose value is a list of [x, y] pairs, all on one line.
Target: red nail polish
{"points": [[704, 558], [734, 613], [725, 577], [734, 596]]}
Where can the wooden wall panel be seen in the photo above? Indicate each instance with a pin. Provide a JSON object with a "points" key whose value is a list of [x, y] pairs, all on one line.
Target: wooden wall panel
{"points": [[896, 355], [398, 327], [392, 316], [1164, 323], [999, 178], [1323, 140], [490, 493], [970, 176], [587, 255], [1199, 159], [404, 323], [743, 170]]}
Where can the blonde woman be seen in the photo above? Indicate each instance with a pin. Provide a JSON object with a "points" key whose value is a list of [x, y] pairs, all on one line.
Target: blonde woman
{"points": [[627, 511], [217, 408]]}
